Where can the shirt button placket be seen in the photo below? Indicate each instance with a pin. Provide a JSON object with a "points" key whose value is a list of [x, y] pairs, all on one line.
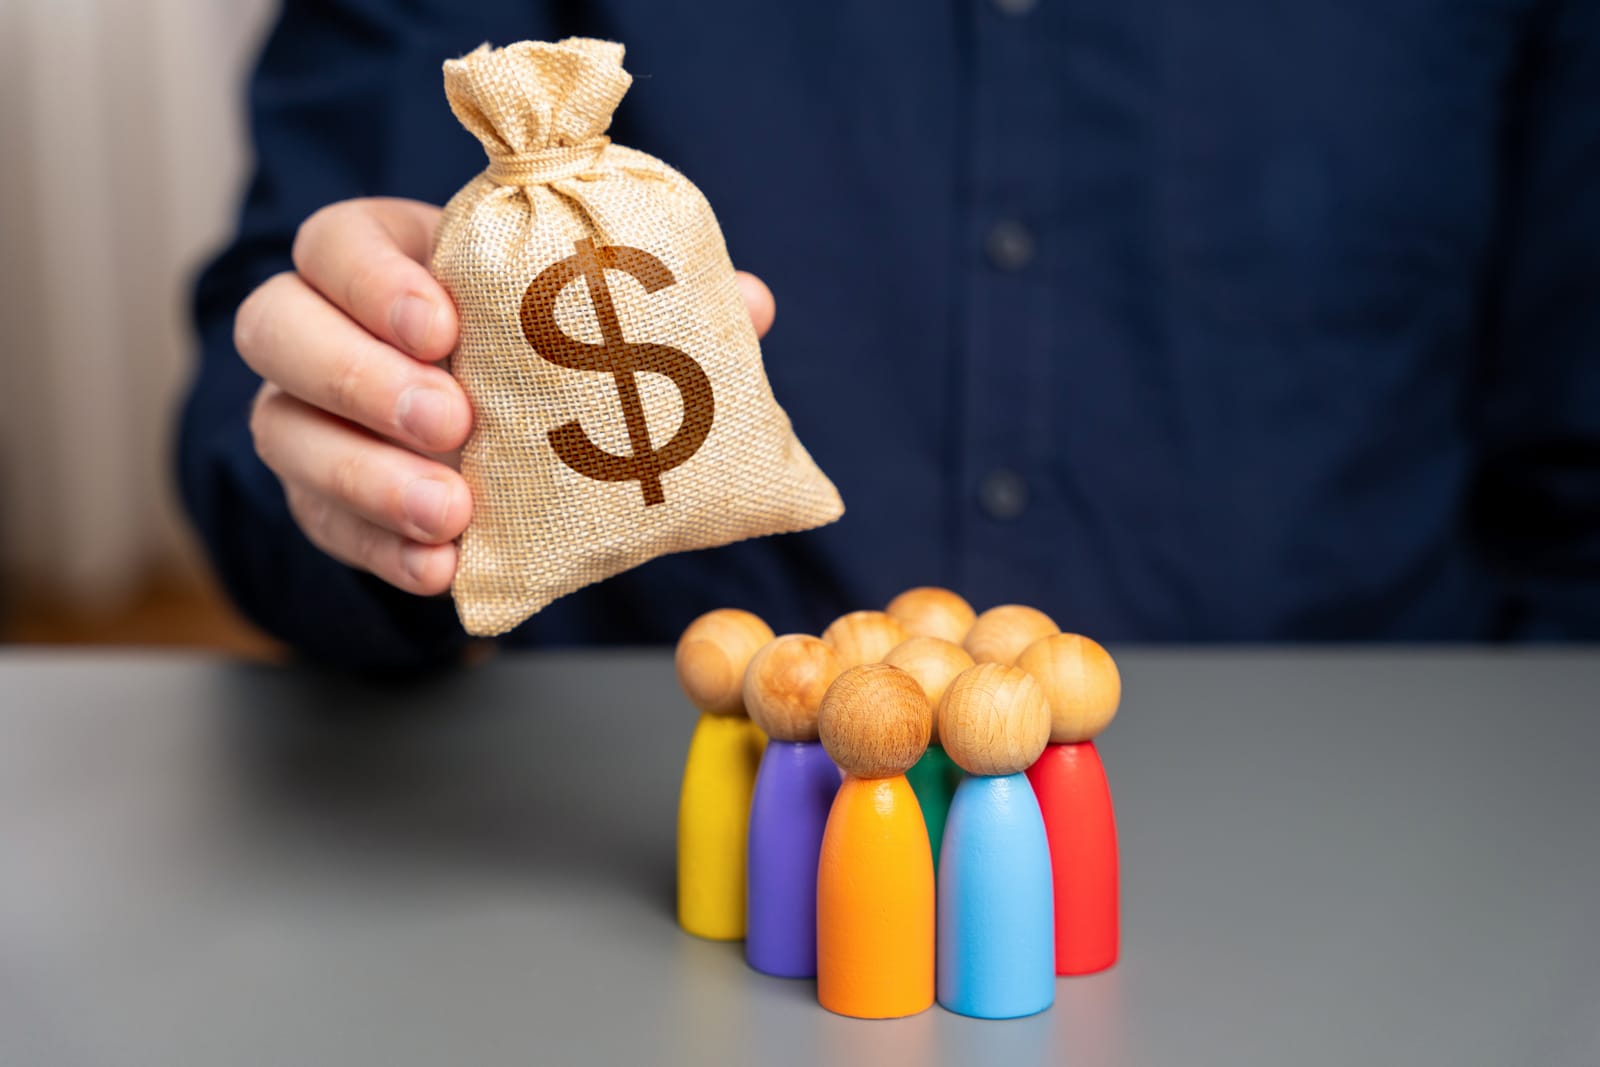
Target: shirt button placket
{"points": [[1005, 509]]}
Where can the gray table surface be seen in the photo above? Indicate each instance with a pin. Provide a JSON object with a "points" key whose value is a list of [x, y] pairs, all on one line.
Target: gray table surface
{"points": [[1329, 857]]}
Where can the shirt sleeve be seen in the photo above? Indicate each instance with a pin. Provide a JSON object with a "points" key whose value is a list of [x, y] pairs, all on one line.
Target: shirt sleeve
{"points": [[346, 101], [1538, 491]]}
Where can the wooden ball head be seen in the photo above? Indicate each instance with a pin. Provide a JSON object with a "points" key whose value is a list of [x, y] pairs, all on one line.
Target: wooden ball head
{"points": [[1000, 634], [875, 721], [863, 637], [1080, 683], [994, 720], [934, 663], [928, 611], [712, 655], [784, 685]]}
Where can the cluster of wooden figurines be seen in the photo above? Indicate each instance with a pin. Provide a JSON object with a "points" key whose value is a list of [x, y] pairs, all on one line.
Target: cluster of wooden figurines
{"points": [[908, 808]]}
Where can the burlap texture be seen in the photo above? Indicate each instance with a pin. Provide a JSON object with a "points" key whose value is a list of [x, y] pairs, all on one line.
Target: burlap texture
{"points": [[556, 199]]}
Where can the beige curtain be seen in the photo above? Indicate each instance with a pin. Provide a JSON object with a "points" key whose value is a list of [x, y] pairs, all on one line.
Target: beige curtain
{"points": [[121, 159]]}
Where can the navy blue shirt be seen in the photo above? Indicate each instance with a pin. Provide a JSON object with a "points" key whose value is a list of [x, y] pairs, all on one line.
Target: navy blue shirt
{"points": [[1181, 321]]}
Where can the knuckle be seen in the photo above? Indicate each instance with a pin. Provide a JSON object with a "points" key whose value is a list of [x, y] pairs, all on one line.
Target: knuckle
{"points": [[434, 579], [346, 478], [314, 516], [260, 417], [255, 318], [301, 509], [372, 285], [348, 386], [308, 234], [368, 545], [323, 521], [247, 325], [459, 515], [248, 320]]}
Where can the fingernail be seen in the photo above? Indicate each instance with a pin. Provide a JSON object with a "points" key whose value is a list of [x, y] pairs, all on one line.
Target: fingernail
{"points": [[427, 502], [424, 413], [412, 318], [414, 558]]}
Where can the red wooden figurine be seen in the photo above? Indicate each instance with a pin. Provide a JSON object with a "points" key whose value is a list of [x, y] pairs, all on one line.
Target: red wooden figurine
{"points": [[1083, 689]]}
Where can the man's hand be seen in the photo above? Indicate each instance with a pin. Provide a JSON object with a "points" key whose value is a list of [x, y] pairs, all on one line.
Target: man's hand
{"points": [[354, 416]]}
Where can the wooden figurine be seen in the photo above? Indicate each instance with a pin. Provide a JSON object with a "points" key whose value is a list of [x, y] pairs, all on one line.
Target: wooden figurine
{"points": [[1082, 686], [1000, 634], [863, 637], [783, 689], [719, 774], [928, 611], [875, 896], [995, 942], [933, 663]]}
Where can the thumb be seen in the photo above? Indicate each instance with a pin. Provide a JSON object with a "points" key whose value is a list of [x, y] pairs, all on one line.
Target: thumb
{"points": [[758, 301]]}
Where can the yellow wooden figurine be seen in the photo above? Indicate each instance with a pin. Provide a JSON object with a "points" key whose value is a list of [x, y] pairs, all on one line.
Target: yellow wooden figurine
{"points": [[720, 773]]}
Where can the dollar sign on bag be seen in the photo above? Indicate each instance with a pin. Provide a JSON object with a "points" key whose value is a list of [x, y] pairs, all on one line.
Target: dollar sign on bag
{"points": [[621, 359]]}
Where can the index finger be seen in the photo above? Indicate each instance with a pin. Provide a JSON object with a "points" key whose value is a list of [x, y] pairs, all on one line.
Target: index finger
{"points": [[367, 258]]}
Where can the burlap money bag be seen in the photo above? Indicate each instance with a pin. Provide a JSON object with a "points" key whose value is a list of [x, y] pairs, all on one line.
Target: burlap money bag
{"points": [[621, 410]]}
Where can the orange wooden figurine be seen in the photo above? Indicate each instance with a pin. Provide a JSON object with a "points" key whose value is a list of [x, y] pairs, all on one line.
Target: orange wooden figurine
{"points": [[1083, 689], [1000, 634], [875, 895], [719, 774]]}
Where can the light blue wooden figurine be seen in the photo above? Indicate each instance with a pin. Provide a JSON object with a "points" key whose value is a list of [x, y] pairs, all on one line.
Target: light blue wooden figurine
{"points": [[996, 929]]}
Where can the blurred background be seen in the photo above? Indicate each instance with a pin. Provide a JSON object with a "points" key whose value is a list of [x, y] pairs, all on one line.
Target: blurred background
{"points": [[123, 160]]}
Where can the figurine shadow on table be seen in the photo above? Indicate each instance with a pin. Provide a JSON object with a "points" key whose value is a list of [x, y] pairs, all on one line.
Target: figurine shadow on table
{"points": [[433, 775]]}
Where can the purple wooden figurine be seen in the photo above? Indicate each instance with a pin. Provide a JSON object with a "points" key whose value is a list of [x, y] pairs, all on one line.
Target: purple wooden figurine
{"points": [[794, 790]]}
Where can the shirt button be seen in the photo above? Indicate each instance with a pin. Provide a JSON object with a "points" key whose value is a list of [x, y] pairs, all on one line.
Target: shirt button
{"points": [[1015, 7], [1002, 494], [1009, 245]]}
